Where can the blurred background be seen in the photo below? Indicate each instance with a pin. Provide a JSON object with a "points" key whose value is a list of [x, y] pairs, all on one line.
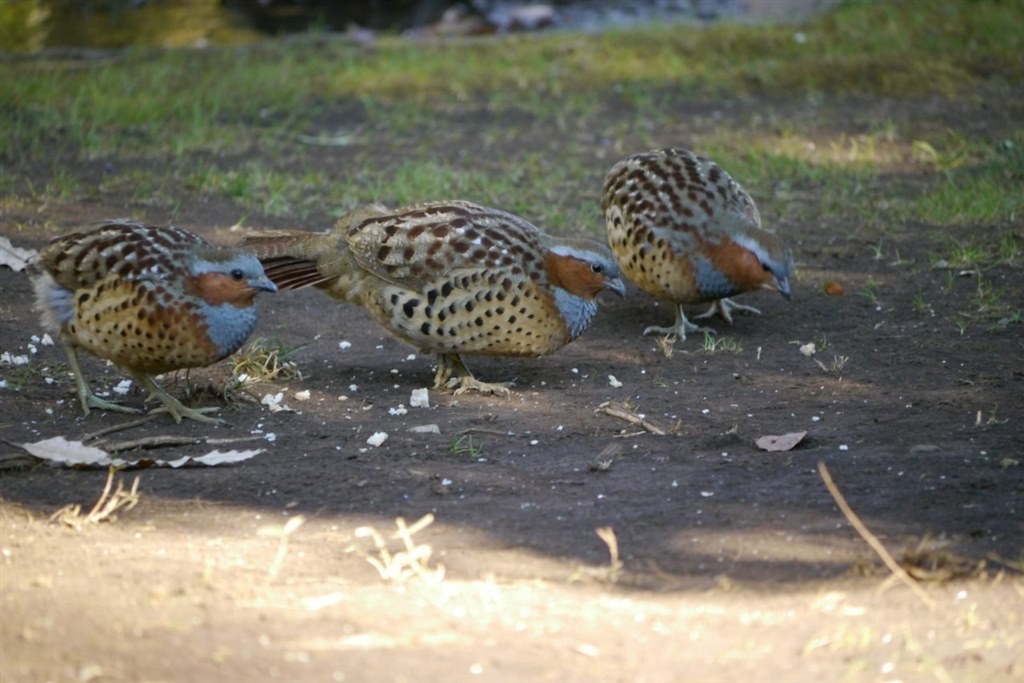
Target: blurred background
{"points": [[33, 25]]}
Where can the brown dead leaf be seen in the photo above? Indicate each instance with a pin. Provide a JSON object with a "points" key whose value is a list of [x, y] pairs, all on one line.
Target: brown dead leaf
{"points": [[782, 442]]}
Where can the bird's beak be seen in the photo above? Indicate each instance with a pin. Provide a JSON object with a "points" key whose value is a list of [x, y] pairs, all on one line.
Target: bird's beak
{"points": [[616, 285], [782, 285], [263, 283]]}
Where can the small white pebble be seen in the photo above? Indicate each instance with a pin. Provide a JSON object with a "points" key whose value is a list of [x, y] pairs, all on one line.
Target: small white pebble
{"points": [[446, 482], [707, 494], [270, 436], [815, 418], [344, 345], [705, 411], [575, 371], [534, 442], [46, 340], [843, 447], [809, 349], [353, 388], [411, 356], [419, 398], [614, 382], [377, 438], [400, 410], [123, 387], [426, 429], [302, 395]]}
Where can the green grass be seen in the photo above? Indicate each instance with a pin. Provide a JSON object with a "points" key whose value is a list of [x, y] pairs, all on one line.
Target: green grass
{"points": [[462, 444], [184, 100], [256, 186], [396, 114]]}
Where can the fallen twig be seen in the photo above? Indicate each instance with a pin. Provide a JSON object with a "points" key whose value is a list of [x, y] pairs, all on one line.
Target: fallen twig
{"points": [[608, 409], [481, 430], [86, 438], [871, 539], [170, 440]]}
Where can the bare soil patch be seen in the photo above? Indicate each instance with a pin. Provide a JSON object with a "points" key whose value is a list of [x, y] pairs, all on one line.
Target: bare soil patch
{"points": [[733, 564]]}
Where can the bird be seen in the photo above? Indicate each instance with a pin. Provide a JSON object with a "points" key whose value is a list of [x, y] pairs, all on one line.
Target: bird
{"points": [[151, 299], [685, 232], [451, 278]]}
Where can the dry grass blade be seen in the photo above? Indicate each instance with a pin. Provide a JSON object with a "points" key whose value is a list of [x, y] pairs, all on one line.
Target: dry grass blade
{"points": [[606, 458], [261, 362], [609, 573], [607, 534], [105, 507], [871, 539], [282, 533], [405, 564]]}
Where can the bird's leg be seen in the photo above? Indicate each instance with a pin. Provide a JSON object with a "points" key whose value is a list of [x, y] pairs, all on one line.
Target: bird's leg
{"points": [[725, 307], [452, 373], [86, 397], [681, 327], [173, 406]]}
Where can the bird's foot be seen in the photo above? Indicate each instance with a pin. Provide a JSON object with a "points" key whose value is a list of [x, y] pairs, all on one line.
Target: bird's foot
{"points": [[469, 383], [178, 411], [725, 307], [677, 331], [176, 408], [452, 373], [91, 400]]}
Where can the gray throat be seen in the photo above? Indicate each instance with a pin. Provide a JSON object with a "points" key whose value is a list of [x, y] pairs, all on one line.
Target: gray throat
{"points": [[576, 311], [228, 326]]}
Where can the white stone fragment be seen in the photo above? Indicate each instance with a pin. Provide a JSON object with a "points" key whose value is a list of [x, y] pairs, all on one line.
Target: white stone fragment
{"points": [[123, 387], [614, 382], [400, 410], [302, 395], [377, 438], [420, 398], [344, 345], [426, 429], [808, 349]]}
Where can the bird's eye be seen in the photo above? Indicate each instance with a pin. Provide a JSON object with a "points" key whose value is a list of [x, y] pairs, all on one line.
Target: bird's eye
{"points": [[238, 274], [765, 267], [596, 268]]}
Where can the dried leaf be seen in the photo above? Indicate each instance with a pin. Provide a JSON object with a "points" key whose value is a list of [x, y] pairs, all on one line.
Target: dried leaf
{"points": [[61, 451], [783, 442], [218, 458], [14, 257]]}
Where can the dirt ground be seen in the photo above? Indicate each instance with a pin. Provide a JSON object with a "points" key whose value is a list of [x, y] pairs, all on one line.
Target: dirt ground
{"points": [[733, 564]]}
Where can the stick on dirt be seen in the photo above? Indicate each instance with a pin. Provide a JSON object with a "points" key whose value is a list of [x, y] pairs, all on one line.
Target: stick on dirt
{"points": [[871, 539], [608, 409]]}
